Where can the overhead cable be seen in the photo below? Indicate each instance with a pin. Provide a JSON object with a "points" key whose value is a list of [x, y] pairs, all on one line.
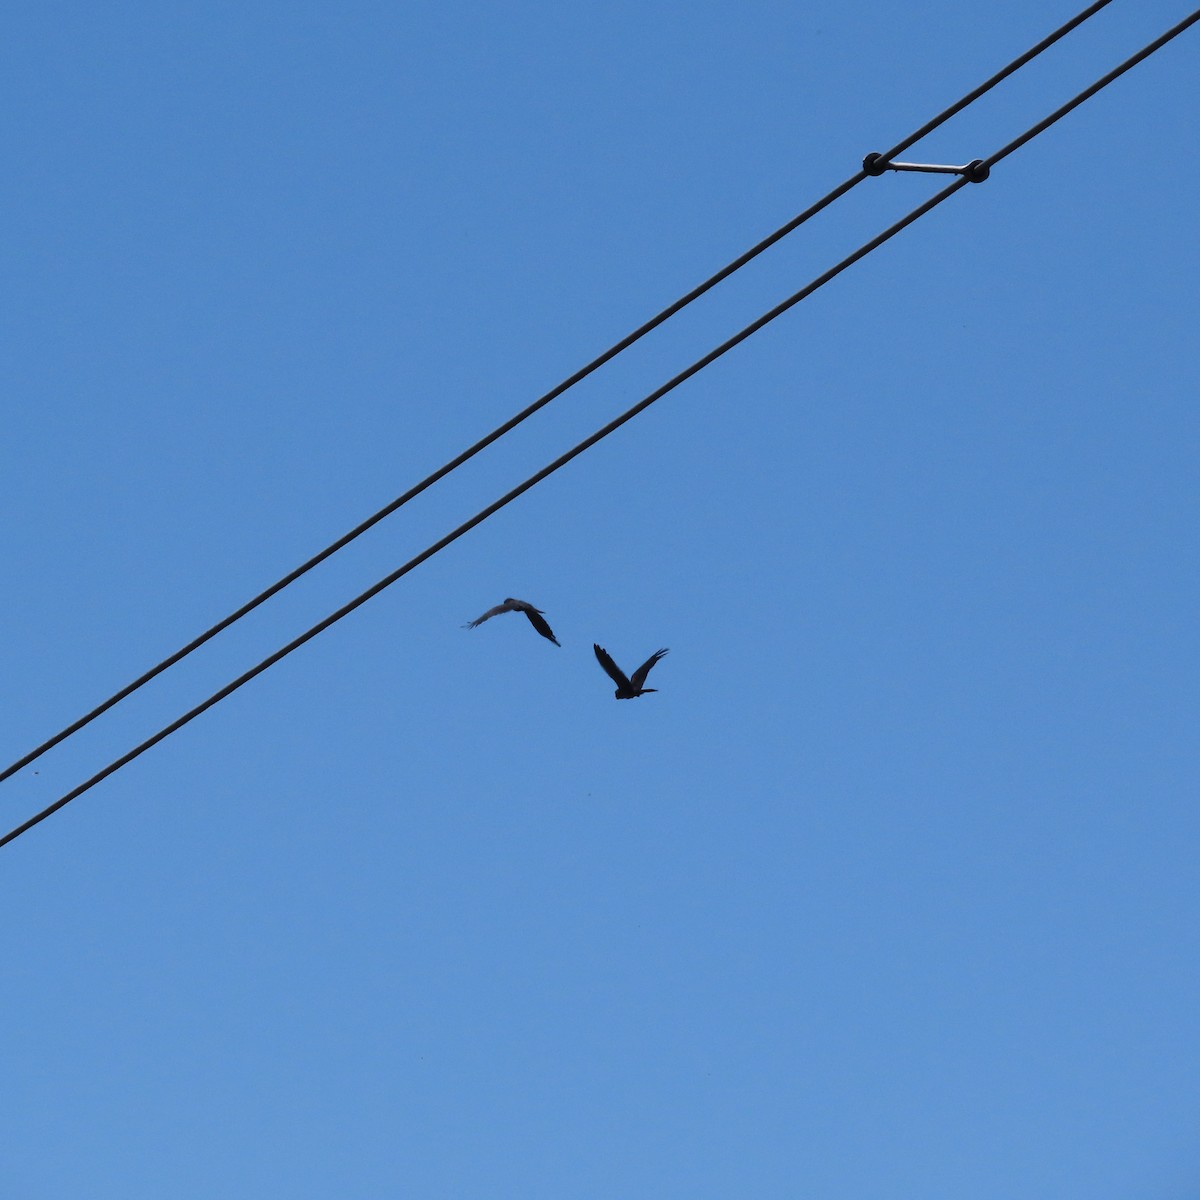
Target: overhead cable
{"points": [[590, 441], [483, 514], [1089, 92], [497, 433]]}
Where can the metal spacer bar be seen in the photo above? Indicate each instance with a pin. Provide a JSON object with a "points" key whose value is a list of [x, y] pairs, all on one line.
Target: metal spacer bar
{"points": [[976, 170]]}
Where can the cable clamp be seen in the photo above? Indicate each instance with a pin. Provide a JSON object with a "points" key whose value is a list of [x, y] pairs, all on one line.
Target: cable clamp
{"points": [[976, 170]]}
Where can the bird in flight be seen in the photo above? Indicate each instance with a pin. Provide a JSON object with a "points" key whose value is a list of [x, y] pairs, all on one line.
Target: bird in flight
{"points": [[627, 689], [510, 605]]}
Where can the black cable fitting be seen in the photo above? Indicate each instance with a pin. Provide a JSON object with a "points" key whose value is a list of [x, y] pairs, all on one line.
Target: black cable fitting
{"points": [[976, 171]]}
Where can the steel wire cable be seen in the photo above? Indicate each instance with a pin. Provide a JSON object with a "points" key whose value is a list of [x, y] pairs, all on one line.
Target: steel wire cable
{"points": [[1004, 73], [590, 441], [501, 430], [1089, 92], [483, 514]]}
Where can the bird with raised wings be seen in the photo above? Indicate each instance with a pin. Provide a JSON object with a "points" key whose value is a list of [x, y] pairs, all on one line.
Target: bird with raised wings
{"points": [[627, 688], [510, 605]]}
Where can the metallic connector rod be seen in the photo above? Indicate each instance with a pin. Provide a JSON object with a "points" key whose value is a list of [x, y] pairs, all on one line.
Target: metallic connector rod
{"points": [[976, 170]]}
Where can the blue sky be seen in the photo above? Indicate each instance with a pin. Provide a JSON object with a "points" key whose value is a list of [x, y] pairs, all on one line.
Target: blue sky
{"points": [[890, 890]]}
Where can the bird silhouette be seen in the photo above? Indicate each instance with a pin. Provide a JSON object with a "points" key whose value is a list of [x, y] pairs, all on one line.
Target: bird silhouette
{"points": [[627, 689], [510, 605]]}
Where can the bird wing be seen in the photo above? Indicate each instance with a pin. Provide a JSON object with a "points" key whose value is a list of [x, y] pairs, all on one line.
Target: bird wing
{"points": [[540, 623], [614, 672], [491, 612], [639, 676]]}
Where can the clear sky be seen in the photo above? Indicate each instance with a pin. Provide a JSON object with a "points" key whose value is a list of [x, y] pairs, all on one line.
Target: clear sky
{"points": [[889, 891]]}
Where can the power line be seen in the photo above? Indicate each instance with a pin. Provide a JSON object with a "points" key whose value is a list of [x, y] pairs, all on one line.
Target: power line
{"points": [[501, 430], [590, 441], [1015, 65], [483, 514], [1088, 92]]}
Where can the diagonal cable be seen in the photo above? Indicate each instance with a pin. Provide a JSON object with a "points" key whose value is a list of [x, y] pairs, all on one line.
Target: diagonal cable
{"points": [[590, 441], [1015, 65], [483, 514], [542, 401], [1089, 92]]}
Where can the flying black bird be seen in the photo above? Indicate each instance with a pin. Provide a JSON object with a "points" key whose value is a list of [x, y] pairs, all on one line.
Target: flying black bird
{"points": [[510, 605], [627, 689]]}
